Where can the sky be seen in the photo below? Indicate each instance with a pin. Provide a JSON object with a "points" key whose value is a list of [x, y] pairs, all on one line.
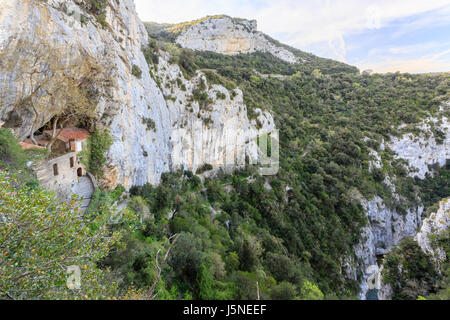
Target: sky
{"points": [[381, 35]]}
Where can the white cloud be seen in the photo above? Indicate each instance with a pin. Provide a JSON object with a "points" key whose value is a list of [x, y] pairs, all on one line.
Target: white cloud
{"points": [[419, 65], [174, 11], [423, 57], [414, 48], [312, 19], [441, 54], [305, 23], [373, 17], [338, 47], [435, 18]]}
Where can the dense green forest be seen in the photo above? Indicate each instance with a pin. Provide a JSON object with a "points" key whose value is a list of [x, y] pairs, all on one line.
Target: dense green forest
{"points": [[295, 232], [240, 235]]}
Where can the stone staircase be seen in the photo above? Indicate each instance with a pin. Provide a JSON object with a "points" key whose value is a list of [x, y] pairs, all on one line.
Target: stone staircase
{"points": [[84, 190]]}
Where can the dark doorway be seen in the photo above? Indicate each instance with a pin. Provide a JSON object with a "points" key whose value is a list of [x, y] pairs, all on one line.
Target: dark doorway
{"points": [[55, 169], [80, 172]]}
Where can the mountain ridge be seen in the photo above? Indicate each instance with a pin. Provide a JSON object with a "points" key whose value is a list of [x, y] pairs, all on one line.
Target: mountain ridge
{"points": [[225, 34], [345, 182]]}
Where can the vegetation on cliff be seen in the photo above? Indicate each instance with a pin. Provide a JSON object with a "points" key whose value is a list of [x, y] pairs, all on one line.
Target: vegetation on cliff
{"points": [[331, 119], [238, 235], [412, 273], [94, 157]]}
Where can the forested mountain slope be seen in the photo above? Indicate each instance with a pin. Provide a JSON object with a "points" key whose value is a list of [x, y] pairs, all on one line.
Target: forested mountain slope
{"points": [[364, 158]]}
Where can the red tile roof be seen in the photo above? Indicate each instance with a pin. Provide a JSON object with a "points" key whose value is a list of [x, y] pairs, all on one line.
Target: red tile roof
{"points": [[70, 133]]}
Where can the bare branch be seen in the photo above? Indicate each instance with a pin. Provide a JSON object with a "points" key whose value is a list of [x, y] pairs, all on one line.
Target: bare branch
{"points": [[10, 297], [257, 291], [150, 295]]}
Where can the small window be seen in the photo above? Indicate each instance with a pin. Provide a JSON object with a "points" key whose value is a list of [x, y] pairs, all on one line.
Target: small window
{"points": [[72, 162], [55, 169]]}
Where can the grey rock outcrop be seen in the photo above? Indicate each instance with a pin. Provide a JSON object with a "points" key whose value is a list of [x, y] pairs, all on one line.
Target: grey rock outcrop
{"points": [[387, 227], [437, 223], [231, 36], [217, 132], [424, 150]]}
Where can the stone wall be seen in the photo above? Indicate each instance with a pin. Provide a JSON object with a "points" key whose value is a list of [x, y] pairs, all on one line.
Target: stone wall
{"points": [[63, 183]]}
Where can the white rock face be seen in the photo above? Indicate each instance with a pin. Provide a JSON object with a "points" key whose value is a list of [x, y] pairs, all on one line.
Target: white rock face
{"points": [[376, 162], [434, 225], [123, 102], [219, 133], [228, 36], [387, 227], [424, 151], [150, 135]]}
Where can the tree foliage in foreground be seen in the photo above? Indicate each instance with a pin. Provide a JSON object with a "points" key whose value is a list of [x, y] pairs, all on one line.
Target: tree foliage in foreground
{"points": [[40, 237]]}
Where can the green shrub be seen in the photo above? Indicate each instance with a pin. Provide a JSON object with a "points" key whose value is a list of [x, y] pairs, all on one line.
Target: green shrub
{"points": [[151, 125], [310, 291], [96, 7], [11, 153], [221, 95], [94, 156], [43, 237], [101, 19], [139, 207], [151, 52], [136, 71], [206, 167], [284, 291], [409, 271]]}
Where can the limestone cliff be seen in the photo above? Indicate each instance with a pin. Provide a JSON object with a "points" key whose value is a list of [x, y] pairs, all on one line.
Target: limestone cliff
{"points": [[425, 149], [58, 51], [230, 36], [50, 48], [387, 227], [219, 133], [437, 223]]}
